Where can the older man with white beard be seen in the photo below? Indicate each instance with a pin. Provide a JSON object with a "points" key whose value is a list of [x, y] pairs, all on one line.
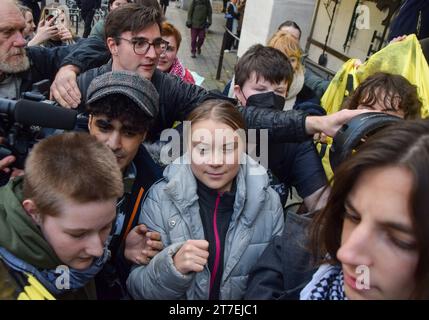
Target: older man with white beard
{"points": [[20, 67], [13, 58]]}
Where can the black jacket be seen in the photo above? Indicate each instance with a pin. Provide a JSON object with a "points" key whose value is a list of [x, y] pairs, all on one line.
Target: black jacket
{"points": [[44, 64], [87, 5], [286, 265], [177, 98], [413, 17], [296, 164]]}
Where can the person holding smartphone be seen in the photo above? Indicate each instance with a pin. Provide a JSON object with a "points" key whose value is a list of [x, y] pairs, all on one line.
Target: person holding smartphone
{"points": [[54, 28]]}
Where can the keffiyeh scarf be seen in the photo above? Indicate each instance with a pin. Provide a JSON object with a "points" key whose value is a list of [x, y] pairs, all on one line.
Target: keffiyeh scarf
{"points": [[327, 284], [177, 69]]}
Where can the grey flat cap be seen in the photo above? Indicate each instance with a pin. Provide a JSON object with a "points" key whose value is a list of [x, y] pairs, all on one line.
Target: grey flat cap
{"points": [[130, 84]]}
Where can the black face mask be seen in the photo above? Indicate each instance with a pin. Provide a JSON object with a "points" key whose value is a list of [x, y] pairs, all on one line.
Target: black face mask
{"points": [[266, 100]]}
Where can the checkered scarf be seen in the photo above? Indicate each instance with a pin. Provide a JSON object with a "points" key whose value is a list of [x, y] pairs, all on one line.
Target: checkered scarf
{"points": [[327, 284]]}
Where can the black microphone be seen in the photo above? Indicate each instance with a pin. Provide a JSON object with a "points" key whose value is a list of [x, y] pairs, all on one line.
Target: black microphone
{"points": [[41, 114]]}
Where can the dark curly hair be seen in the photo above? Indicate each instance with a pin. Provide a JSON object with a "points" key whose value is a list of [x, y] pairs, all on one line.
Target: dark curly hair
{"points": [[122, 108], [393, 91]]}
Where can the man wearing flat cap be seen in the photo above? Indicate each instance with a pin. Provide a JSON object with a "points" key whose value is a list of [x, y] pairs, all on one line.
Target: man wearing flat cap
{"points": [[122, 107]]}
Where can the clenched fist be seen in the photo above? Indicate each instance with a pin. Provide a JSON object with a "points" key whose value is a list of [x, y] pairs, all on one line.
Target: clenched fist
{"points": [[192, 256]]}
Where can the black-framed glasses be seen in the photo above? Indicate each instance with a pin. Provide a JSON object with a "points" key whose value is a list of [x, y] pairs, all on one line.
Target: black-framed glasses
{"points": [[141, 45]]}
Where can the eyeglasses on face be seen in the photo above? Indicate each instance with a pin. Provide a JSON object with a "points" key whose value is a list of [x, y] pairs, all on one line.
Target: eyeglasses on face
{"points": [[141, 45]]}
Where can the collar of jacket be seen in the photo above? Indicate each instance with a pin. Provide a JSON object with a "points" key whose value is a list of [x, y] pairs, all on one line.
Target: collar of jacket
{"points": [[209, 196], [106, 67], [251, 180], [129, 177], [157, 74], [18, 233]]}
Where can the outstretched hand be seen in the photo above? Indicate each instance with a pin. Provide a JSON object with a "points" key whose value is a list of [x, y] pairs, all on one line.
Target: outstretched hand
{"points": [[330, 124], [142, 245]]}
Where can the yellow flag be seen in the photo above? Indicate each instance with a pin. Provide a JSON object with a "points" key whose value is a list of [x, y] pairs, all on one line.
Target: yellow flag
{"points": [[404, 58]]}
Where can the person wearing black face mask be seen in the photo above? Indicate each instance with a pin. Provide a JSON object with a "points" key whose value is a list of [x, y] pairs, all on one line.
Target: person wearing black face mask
{"points": [[267, 100], [262, 78]]}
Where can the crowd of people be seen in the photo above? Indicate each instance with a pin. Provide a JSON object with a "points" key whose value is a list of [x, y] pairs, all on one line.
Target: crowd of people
{"points": [[95, 214]]}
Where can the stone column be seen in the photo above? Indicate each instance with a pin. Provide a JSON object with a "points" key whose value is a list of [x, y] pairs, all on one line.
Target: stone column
{"points": [[262, 19]]}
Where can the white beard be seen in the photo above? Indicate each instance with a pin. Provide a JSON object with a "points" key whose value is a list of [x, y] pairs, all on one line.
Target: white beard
{"points": [[19, 65]]}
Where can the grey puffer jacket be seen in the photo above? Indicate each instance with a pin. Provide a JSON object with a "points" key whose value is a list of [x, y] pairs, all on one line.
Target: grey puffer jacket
{"points": [[172, 208]]}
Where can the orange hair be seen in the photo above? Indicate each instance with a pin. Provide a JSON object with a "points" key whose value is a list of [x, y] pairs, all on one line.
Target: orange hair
{"points": [[168, 30], [287, 44]]}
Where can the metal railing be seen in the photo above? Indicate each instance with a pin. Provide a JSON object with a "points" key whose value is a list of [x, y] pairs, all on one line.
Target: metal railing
{"points": [[319, 70], [222, 50], [74, 14]]}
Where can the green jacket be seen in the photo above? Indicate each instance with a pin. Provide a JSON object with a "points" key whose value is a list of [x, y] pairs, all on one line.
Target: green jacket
{"points": [[21, 237], [199, 14], [98, 30]]}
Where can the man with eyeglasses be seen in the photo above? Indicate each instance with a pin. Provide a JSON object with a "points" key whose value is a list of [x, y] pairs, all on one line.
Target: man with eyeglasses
{"points": [[133, 39]]}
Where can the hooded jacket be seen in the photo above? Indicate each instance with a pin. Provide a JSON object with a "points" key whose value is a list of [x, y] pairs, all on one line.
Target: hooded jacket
{"points": [[172, 209], [20, 236], [199, 14]]}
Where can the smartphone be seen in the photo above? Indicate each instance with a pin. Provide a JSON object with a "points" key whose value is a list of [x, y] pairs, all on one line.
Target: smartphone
{"points": [[52, 13]]}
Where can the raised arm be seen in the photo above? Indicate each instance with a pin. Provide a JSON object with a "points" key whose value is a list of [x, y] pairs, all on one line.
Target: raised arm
{"points": [[47, 61], [89, 53]]}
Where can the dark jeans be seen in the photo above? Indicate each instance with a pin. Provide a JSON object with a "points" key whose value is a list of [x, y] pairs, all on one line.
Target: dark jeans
{"points": [[229, 41], [197, 38], [87, 17]]}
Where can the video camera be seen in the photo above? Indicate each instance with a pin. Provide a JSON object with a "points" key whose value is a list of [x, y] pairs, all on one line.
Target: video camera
{"points": [[355, 132], [24, 122]]}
